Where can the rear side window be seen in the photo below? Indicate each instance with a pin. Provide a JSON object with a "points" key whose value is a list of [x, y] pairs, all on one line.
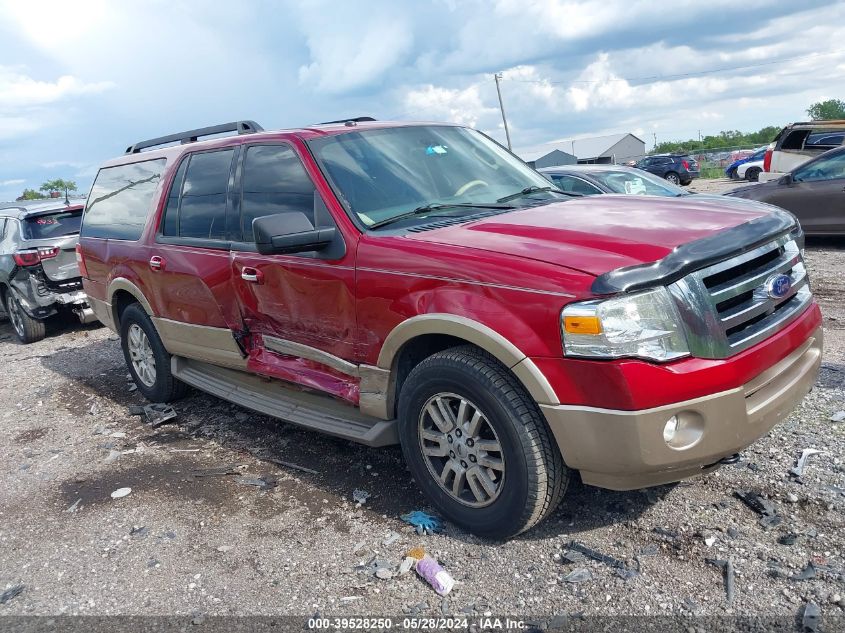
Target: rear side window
{"points": [[274, 181], [200, 210], [47, 225], [120, 200]]}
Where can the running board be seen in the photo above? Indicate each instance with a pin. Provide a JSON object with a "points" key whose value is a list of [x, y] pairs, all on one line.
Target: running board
{"points": [[271, 397]]}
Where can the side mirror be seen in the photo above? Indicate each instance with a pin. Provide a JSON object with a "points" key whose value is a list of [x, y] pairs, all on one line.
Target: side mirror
{"points": [[786, 179], [289, 233]]}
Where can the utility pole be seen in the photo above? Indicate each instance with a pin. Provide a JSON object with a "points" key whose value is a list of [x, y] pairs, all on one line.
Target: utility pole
{"points": [[655, 139], [498, 76]]}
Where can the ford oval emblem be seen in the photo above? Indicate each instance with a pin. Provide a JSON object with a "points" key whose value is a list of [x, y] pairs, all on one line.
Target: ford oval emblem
{"points": [[778, 286]]}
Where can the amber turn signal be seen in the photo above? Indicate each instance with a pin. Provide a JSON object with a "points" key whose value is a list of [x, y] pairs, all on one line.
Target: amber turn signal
{"points": [[582, 324]]}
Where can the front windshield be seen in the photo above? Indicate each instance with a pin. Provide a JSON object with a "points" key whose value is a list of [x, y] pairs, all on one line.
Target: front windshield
{"points": [[631, 182], [387, 172]]}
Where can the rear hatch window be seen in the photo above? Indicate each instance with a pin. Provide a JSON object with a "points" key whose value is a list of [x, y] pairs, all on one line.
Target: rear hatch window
{"points": [[49, 225]]}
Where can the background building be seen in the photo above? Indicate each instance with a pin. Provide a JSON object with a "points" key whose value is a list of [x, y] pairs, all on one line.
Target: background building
{"points": [[613, 148]]}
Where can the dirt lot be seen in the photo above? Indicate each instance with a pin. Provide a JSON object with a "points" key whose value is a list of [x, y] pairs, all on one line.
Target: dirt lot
{"points": [[214, 545]]}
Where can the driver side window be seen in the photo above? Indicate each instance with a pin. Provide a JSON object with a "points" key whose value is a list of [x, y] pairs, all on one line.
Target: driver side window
{"points": [[827, 168]]}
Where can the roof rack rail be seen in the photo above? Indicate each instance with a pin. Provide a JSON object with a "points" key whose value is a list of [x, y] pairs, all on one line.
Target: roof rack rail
{"points": [[241, 127], [357, 119]]}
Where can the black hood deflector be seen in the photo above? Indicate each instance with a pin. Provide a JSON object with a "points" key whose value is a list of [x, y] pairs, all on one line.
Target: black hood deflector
{"points": [[707, 251]]}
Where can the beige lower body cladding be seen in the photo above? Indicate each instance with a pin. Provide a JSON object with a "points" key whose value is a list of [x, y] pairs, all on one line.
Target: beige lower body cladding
{"points": [[625, 450]]}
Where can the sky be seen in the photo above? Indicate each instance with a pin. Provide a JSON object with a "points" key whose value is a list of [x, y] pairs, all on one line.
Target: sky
{"points": [[80, 81]]}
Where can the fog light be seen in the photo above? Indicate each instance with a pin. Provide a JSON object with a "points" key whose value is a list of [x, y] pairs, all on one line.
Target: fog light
{"points": [[670, 429]]}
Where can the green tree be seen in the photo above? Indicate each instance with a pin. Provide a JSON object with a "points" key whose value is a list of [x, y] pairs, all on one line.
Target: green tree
{"points": [[58, 185], [827, 110], [30, 194]]}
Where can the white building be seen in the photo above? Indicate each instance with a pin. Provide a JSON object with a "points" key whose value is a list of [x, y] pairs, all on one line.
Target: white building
{"points": [[613, 148]]}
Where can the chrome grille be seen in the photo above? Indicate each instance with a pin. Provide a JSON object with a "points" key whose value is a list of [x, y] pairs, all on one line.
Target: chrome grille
{"points": [[727, 307]]}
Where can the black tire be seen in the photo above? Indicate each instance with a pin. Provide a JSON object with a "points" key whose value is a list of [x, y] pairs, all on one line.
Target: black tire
{"points": [[535, 477], [165, 387], [672, 177], [27, 329], [753, 174]]}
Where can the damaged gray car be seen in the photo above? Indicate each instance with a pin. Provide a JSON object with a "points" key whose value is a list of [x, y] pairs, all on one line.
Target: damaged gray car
{"points": [[39, 275]]}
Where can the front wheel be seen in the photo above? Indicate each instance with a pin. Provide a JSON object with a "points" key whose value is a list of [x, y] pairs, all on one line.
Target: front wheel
{"points": [[477, 444], [27, 329], [148, 361], [753, 174], [673, 178]]}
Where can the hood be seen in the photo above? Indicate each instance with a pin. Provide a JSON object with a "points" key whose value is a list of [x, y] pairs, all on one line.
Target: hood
{"points": [[597, 234]]}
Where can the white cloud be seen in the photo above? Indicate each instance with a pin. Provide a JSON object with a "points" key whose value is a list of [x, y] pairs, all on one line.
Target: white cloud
{"points": [[12, 182], [18, 90]]}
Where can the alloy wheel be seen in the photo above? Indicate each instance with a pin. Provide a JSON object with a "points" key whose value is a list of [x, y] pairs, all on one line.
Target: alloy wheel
{"points": [[141, 353], [461, 449], [15, 315]]}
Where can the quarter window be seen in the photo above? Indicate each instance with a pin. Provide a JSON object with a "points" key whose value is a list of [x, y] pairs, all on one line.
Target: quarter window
{"points": [[120, 200], [202, 206], [274, 181]]}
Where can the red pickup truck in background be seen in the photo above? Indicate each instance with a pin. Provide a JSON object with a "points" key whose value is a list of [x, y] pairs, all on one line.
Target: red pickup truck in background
{"points": [[417, 283]]}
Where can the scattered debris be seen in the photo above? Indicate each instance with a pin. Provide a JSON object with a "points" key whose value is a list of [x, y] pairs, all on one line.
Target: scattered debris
{"points": [[798, 471], [792, 498], [622, 569], [710, 541], [225, 548], [135, 409], [810, 618], [139, 530], [788, 539], [571, 556], [120, 493], [10, 593], [732, 532], [669, 534], [360, 496], [649, 550], [219, 471], [159, 413], [384, 573], [431, 571], [578, 575], [406, 565], [279, 462], [118, 435], [727, 567], [761, 506], [423, 522], [112, 457], [808, 573], [391, 539], [132, 387], [839, 416], [264, 482], [74, 507]]}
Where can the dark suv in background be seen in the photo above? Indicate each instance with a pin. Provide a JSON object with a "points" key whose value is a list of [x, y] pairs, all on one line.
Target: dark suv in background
{"points": [[676, 168], [39, 276]]}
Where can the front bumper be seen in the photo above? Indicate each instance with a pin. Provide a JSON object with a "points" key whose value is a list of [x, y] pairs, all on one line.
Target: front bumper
{"points": [[625, 450]]}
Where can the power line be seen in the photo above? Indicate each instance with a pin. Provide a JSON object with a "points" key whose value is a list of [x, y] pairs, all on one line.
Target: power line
{"points": [[655, 78]]}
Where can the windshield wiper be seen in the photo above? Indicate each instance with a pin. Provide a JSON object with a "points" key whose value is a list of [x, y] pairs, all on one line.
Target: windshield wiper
{"points": [[426, 208], [534, 189]]}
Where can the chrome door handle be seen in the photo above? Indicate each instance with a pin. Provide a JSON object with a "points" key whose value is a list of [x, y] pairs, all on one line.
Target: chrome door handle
{"points": [[156, 263], [252, 275]]}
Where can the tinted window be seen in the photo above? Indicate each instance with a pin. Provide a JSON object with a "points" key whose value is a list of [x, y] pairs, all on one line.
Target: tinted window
{"points": [[202, 210], [274, 181], [827, 139], [47, 225], [575, 185], [170, 226], [826, 168], [120, 200]]}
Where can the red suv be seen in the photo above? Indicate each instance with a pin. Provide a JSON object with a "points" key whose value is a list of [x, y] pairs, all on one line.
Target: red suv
{"points": [[417, 283]]}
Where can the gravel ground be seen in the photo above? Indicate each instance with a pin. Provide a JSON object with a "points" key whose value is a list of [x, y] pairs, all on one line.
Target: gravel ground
{"points": [[187, 544]]}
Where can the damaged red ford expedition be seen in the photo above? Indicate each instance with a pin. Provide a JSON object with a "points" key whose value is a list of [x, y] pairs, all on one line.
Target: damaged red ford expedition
{"points": [[417, 283]]}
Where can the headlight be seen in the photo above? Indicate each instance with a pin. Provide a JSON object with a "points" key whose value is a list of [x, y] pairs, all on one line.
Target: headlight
{"points": [[645, 325]]}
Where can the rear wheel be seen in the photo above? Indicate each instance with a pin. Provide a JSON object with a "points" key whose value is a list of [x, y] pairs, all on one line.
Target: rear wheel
{"points": [[673, 178], [477, 444], [27, 329], [148, 361], [753, 174]]}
